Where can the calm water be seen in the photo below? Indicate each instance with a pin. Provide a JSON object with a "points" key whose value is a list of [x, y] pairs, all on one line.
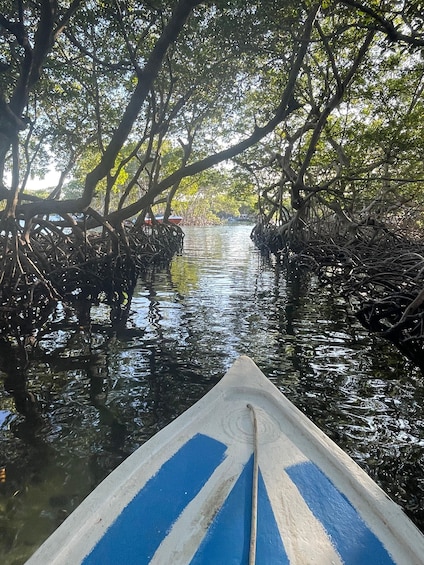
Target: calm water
{"points": [[100, 396]]}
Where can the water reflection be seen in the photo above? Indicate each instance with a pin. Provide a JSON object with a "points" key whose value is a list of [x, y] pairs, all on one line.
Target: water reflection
{"points": [[98, 396]]}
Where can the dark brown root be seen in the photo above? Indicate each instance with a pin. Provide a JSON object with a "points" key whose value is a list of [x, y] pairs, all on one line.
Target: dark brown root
{"points": [[55, 264], [378, 271]]}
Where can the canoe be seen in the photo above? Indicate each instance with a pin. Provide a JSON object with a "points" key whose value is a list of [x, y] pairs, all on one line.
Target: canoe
{"points": [[242, 477]]}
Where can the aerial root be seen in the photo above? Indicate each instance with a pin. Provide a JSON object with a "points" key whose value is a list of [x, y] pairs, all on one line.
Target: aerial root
{"points": [[56, 265], [382, 278]]}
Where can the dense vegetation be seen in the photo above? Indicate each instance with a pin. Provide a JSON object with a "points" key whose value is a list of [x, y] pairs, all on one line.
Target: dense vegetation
{"points": [[314, 107]]}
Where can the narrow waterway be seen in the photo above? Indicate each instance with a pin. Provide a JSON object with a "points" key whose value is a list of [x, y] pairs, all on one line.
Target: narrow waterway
{"points": [[99, 396]]}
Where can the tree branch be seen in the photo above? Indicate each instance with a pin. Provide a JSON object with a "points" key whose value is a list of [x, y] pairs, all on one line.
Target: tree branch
{"points": [[384, 25]]}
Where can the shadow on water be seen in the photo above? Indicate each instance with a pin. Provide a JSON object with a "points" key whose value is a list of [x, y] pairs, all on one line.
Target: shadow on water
{"points": [[89, 398]]}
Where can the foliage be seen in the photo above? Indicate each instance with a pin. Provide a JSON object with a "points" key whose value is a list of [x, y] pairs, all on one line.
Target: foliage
{"points": [[222, 78], [352, 149], [83, 106]]}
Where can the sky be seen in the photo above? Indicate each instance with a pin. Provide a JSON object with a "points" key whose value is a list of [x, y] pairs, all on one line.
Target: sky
{"points": [[50, 180]]}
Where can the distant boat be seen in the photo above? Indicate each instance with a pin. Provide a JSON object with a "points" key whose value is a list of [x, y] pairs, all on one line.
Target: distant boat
{"points": [[244, 218], [172, 219], [242, 477]]}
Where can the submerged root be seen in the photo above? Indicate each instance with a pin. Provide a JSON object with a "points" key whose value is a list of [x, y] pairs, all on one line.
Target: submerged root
{"points": [[52, 264], [382, 276]]}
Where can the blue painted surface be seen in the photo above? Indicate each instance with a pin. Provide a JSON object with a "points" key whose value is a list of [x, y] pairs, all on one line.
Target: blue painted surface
{"points": [[157, 506], [3, 415], [228, 538], [351, 537]]}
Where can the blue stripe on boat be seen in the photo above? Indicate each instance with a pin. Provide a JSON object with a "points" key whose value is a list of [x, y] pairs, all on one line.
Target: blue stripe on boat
{"points": [[351, 537], [157, 506], [228, 538]]}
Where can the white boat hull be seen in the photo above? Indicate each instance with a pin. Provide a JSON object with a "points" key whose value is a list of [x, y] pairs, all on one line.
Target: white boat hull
{"points": [[242, 477]]}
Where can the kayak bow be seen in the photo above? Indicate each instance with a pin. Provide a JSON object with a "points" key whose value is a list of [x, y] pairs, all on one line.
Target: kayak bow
{"points": [[241, 477]]}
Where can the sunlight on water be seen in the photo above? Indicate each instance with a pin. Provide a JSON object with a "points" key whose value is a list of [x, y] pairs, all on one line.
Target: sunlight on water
{"points": [[99, 396]]}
